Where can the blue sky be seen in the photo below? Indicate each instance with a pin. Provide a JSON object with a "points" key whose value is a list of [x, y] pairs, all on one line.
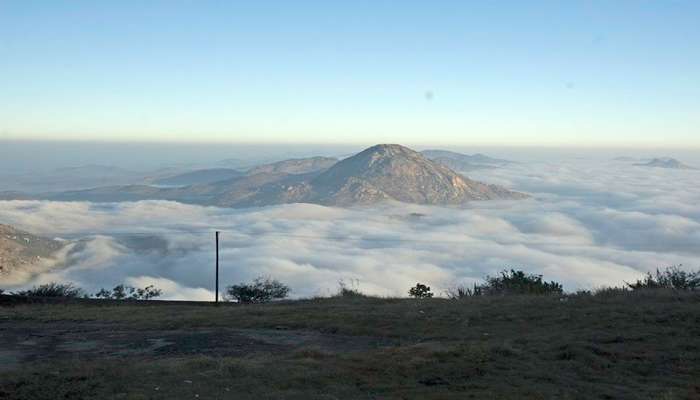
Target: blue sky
{"points": [[575, 73]]}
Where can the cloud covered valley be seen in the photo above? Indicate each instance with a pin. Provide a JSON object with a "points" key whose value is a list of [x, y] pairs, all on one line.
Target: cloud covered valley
{"points": [[588, 224]]}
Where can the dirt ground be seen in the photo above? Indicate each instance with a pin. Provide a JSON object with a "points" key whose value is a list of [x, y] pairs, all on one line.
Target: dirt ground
{"points": [[610, 346], [27, 342]]}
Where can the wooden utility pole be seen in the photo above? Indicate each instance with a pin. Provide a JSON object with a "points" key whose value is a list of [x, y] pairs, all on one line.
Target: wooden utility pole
{"points": [[217, 269]]}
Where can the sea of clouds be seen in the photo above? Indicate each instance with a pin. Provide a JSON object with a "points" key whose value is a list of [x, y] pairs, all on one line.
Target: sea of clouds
{"points": [[588, 224]]}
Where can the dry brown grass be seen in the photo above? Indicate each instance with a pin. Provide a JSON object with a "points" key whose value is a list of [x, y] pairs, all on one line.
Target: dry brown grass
{"points": [[634, 345]]}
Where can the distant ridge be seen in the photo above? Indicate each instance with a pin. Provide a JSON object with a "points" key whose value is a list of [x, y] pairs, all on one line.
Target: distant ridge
{"points": [[464, 162], [199, 176], [295, 166], [385, 172], [666, 162]]}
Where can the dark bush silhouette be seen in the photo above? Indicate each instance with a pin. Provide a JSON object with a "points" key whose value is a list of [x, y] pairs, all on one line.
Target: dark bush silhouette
{"points": [[124, 292], [670, 278], [349, 290], [610, 291], [462, 292], [518, 282], [261, 290], [420, 291], [54, 289]]}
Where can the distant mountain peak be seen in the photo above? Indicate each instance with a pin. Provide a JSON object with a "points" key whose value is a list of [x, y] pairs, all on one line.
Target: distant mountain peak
{"points": [[376, 153], [666, 162], [388, 149], [396, 172]]}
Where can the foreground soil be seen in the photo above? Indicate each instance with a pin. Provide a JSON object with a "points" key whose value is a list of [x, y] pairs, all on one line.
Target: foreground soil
{"points": [[614, 346]]}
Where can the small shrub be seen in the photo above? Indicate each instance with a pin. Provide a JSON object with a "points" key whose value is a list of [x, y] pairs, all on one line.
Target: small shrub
{"points": [[124, 292], [54, 289], [463, 292], [582, 293], [670, 278], [351, 289], [518, 282], [610, 291], [420, 291], [261, 290]]}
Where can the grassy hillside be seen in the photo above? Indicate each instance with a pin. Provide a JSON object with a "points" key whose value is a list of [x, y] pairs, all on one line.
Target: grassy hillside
{"points": [[636, 345]]}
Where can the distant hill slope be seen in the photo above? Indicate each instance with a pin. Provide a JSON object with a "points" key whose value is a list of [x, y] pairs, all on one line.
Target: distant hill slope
{"points": [[95, 170], [15, 195], [295, 166], [206, 176], [626, 159], [20, 249], [199, 177], [463, 162], [669, 163], [108, 194], [71, 178], [383, 172]]}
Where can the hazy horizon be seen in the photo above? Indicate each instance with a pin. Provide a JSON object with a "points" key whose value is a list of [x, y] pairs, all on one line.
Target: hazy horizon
{"points": [[148, 155]]}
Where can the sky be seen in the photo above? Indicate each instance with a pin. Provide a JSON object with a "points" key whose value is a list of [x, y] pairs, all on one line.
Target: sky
{"points": [[508, 73]]}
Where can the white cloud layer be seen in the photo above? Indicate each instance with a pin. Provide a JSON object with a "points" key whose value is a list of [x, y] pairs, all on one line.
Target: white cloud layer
{"points": [[588, 225]]}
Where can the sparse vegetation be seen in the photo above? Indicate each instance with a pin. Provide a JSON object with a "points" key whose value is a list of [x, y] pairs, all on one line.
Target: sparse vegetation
{"points": [[261, 290], [350, 289], [608, 343], [629, 345], [124, 292], [54, 289], [507, 283], [610, 291], [71, 291], [518, 282], [671, 278], [420, 291], [462, 292]]}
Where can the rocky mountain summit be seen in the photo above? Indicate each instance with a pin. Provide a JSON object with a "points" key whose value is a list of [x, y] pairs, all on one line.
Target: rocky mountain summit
{"points": [[379, 173]]}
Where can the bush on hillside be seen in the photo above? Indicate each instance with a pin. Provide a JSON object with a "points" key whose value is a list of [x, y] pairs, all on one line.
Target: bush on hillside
{"points": [[351, 289], [611, 291], [518, 282], [54, 289], [420, 291], [261, 290], [463, 292], [670, 278], [124, 292]]}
